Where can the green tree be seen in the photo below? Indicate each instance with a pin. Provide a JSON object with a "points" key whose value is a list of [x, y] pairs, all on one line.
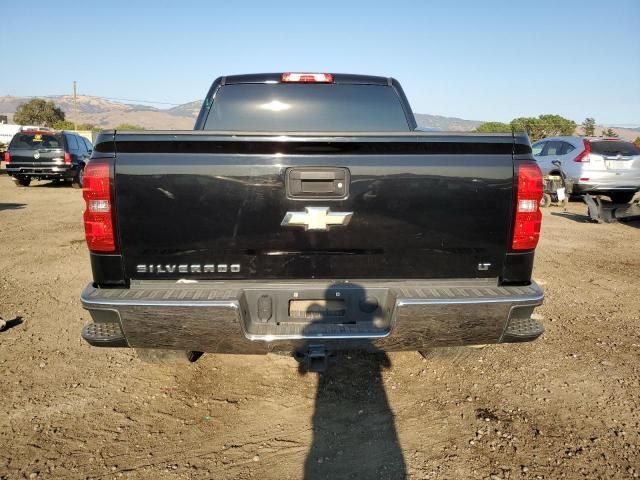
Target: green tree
{"points": [[494, 127], [609, 132], [128, 126], [67, 125], [89, 126], [63, 125], [589, 127], [637, 142], [544, 126], [530, 125], [39, 112]]}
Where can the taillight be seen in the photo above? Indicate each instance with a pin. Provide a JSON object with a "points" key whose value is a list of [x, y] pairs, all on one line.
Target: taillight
{"points": [[7, 157], [98, 221], [528, 217], [67, 158], [583, 157], [307, 78]]}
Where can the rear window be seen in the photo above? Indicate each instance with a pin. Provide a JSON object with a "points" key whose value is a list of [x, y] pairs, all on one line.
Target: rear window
{"points": [[36, 141], [307, 107], [554, 148], [614, 147], [73, 144]]}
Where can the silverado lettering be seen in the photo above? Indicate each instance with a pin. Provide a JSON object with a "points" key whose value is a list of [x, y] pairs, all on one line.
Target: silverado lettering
{"points": [[185, 268]]}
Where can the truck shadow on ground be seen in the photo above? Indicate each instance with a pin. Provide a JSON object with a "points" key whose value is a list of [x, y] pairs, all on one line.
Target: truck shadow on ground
{"points": [[51, 184], [573, 216], [354, 433], [632, 222], [11, 206]]}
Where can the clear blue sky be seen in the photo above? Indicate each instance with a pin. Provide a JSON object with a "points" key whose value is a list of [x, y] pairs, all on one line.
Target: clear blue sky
{"points": [[486, 60]]}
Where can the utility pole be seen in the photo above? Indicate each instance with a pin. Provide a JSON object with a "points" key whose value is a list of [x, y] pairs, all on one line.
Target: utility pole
{"points": [[75, 107]]}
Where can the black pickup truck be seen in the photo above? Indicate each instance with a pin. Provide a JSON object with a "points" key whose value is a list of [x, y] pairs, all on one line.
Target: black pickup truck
{"points": [[308, 213]]}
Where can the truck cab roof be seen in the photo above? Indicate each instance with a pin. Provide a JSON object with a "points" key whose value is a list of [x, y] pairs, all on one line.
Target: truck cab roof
{"points": [[339, 78]]}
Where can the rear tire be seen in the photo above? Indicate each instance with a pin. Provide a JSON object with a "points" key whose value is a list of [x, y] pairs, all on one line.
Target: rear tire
{"points": [[22, 181], [164, 356], [621, 197], [78, 180]]}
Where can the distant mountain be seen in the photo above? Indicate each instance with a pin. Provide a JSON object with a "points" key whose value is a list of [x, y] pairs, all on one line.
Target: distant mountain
{"points": [[9, 104], [625, 133], [86, 104], [109, 113], [446, 123], [190, 109]]}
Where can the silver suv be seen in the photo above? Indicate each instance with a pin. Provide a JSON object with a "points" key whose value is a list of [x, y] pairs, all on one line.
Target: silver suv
{"points": [[593, 165]]}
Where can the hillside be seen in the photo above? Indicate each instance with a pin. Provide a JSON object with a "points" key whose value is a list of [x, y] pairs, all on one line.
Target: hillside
{"points": [[109, 113], [190, 109], [446, 123]]}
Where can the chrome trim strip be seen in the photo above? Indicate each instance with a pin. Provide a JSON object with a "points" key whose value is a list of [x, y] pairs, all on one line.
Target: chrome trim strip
{"points": [[88, 302], [457, 301], [168, 303], [275, 338]]}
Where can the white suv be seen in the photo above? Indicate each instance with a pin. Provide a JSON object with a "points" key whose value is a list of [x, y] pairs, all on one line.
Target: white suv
{"points": [[600, 166]]}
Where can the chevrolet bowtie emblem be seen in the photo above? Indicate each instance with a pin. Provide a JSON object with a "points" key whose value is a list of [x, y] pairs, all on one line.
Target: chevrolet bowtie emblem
{"points": [[316, 218]]}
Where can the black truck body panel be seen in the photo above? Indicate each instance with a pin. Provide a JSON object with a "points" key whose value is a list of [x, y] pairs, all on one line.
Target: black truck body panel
{"points": [[424, 205]]}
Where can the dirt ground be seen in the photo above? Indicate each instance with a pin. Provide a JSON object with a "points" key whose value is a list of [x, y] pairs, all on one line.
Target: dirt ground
{"points": [[565, 406]]}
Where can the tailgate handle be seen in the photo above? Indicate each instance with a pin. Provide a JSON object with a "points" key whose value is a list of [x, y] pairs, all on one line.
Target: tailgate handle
{"points": [[317, 182]]}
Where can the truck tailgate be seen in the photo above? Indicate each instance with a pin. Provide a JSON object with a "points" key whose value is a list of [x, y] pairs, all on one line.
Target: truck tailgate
{"points": [[192, 205]]}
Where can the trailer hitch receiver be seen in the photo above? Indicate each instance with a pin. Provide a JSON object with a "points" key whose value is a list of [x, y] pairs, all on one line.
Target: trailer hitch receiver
{"points": [[317, 358]]}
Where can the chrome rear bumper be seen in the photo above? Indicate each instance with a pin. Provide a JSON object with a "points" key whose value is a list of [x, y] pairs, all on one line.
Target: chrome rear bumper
{"points": [[46, 169], [222, 317]]}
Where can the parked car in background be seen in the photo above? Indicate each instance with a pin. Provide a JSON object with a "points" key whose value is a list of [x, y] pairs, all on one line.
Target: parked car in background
{"points": [[6, 134], [47, 155], [602, 166], [7, 131]]}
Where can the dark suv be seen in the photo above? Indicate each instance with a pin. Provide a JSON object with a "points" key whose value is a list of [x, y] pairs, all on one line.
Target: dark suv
{"points": [[47, 155]]}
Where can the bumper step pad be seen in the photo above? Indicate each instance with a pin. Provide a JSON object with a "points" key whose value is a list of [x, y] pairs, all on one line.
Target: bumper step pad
{"points": [[522, 330], [104, 335]]}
